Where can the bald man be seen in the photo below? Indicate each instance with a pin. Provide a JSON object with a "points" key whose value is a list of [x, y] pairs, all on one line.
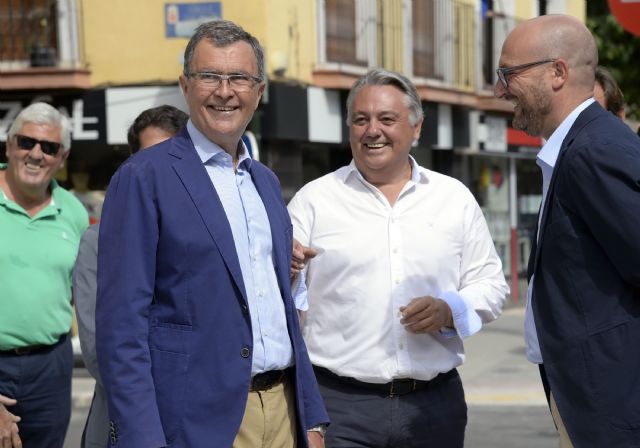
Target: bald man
{"points": [[582, 324]]}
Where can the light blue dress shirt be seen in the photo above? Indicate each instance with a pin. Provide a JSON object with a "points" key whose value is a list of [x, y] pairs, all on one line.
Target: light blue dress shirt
{"points": [[252, 238], [546, 160]]}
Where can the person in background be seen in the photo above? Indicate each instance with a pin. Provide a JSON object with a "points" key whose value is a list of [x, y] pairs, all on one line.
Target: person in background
{"points": [[582, 321], [607, 93], [40, 228], [405, 270], [150, 127], [197, 336]]}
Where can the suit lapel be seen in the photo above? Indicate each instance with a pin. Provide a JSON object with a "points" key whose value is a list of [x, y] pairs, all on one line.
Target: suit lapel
{"points": [[583, 119], [271, 204], [196, 181]]}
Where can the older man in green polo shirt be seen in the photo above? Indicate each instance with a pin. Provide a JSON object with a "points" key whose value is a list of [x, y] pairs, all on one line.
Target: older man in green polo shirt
{"points": [[40, 229]]}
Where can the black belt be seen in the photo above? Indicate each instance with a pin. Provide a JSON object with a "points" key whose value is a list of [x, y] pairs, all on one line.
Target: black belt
{"points": [[31, 349], [400, 386], [267, 380]]}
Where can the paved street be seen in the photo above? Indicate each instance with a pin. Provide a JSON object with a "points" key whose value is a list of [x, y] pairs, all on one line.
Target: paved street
{"points": [[507, 407]]}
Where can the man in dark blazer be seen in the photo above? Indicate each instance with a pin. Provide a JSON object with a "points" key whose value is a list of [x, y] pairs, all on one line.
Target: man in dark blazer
{"points": [[152, 126], [582, 323], [198, 341]]}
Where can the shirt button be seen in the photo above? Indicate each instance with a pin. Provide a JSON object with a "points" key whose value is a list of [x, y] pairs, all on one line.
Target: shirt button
{"points": [[244, 352], [397, 281], [395, 250]]}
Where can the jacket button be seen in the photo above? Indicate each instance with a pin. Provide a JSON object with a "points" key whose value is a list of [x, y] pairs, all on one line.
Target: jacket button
{"points": [[244, 352], [245, 309]]}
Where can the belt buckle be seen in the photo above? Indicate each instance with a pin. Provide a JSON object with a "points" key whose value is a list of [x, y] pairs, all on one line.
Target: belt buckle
{"points": [[268, 382], [393, 393]]}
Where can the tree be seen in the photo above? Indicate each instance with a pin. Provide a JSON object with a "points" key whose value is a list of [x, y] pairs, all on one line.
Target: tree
{"points": [[619, 52]]}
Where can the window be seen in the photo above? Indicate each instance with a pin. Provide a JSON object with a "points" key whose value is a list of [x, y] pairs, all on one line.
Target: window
{"points": [[347, 32], [28, 31]]}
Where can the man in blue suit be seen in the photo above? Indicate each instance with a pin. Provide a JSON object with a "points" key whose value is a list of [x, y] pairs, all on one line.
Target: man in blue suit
{"points": [[197, 337], [582, 324]]}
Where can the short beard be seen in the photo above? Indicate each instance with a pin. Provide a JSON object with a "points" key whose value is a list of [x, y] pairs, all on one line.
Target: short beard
{"points": [[533, 111]]}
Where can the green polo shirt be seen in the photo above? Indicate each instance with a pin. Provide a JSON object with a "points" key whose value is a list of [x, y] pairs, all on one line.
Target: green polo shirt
{"points": [[36, 259]]}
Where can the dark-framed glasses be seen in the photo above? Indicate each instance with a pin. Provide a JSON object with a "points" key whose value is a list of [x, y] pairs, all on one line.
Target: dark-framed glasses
{"points": [[47, 147], [237, 81], [504, 72]]}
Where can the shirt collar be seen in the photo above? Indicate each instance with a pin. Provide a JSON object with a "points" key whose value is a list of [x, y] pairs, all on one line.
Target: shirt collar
{"points": [[418, 173], [55, 188], [549, 152], [208, 150]]}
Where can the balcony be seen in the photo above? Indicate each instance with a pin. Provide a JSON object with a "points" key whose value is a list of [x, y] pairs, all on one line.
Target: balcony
{"points": [[39, 45]]}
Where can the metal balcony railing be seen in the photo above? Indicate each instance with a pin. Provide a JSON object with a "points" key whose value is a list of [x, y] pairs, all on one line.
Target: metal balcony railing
{"points": [[28, 33]]}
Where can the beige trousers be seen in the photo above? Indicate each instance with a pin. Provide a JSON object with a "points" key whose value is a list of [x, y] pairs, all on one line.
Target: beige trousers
{"points": [[565, 442], [269, 419]]}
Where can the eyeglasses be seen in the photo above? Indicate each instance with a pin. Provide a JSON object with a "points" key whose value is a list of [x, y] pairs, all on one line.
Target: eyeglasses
{"points": [[47, 147], [237, 81], [504, 72]]}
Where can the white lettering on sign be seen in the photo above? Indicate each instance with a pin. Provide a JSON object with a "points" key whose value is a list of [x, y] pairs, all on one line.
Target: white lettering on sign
{"points": [[78, 121], [12, 109]]}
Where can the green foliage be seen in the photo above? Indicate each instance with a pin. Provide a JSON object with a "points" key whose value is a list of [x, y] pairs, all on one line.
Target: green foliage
{"points": [[619, 52]]}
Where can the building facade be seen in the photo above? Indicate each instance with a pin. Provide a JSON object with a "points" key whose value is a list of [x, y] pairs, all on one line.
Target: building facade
{"points": [[103, 62]]}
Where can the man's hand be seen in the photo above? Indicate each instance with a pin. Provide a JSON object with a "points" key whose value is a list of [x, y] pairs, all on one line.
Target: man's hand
{"points": [[426, 315], [301, 254], [315, 439], [9, 437]]}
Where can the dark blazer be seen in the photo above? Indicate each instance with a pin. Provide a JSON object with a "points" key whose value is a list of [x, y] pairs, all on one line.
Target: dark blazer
{"points": [[586, 288], [96, 428], [173, 330]]}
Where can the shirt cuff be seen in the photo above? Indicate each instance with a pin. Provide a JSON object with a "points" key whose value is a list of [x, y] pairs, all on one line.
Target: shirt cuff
{"points": [[299, 292], [465, 320]]}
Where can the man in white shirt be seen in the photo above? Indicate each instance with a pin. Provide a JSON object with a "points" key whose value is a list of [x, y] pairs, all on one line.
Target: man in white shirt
{"points": [[405, 270], [583, 312]]}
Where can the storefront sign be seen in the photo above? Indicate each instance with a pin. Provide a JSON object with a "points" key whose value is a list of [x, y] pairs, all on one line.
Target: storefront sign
{"points": [[86, 113]]}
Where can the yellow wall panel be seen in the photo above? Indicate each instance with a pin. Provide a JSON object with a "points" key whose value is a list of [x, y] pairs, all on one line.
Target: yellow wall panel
{"points": [[124, 41], [290, 38]]}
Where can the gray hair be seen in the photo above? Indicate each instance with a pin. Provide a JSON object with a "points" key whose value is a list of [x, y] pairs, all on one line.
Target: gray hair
{"points": [[222, 33], [382, 77], [43, 114]]}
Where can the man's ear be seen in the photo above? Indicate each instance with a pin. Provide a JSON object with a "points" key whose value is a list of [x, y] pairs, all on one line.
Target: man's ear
{"points": [[65, 156], [560, 73], [182, 80]]}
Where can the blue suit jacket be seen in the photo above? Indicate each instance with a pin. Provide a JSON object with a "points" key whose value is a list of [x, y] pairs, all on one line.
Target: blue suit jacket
{"points": [[587, 282], [173, 330]]}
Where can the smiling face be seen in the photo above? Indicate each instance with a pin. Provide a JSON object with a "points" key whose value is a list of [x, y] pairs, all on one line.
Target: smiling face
{"points": [[381, 132], [221, 113], [31, 171]]}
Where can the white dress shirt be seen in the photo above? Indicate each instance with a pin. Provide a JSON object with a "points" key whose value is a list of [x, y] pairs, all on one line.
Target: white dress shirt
{"points": [[546, 160], [373, 258], [252, 238]]}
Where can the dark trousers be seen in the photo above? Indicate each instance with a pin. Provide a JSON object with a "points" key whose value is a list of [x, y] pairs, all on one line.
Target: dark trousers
{"points": [[41, 383], [435, 416]]}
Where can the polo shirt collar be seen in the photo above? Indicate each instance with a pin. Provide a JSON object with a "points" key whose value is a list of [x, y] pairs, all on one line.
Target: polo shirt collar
{"points": [[52, 207]]}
